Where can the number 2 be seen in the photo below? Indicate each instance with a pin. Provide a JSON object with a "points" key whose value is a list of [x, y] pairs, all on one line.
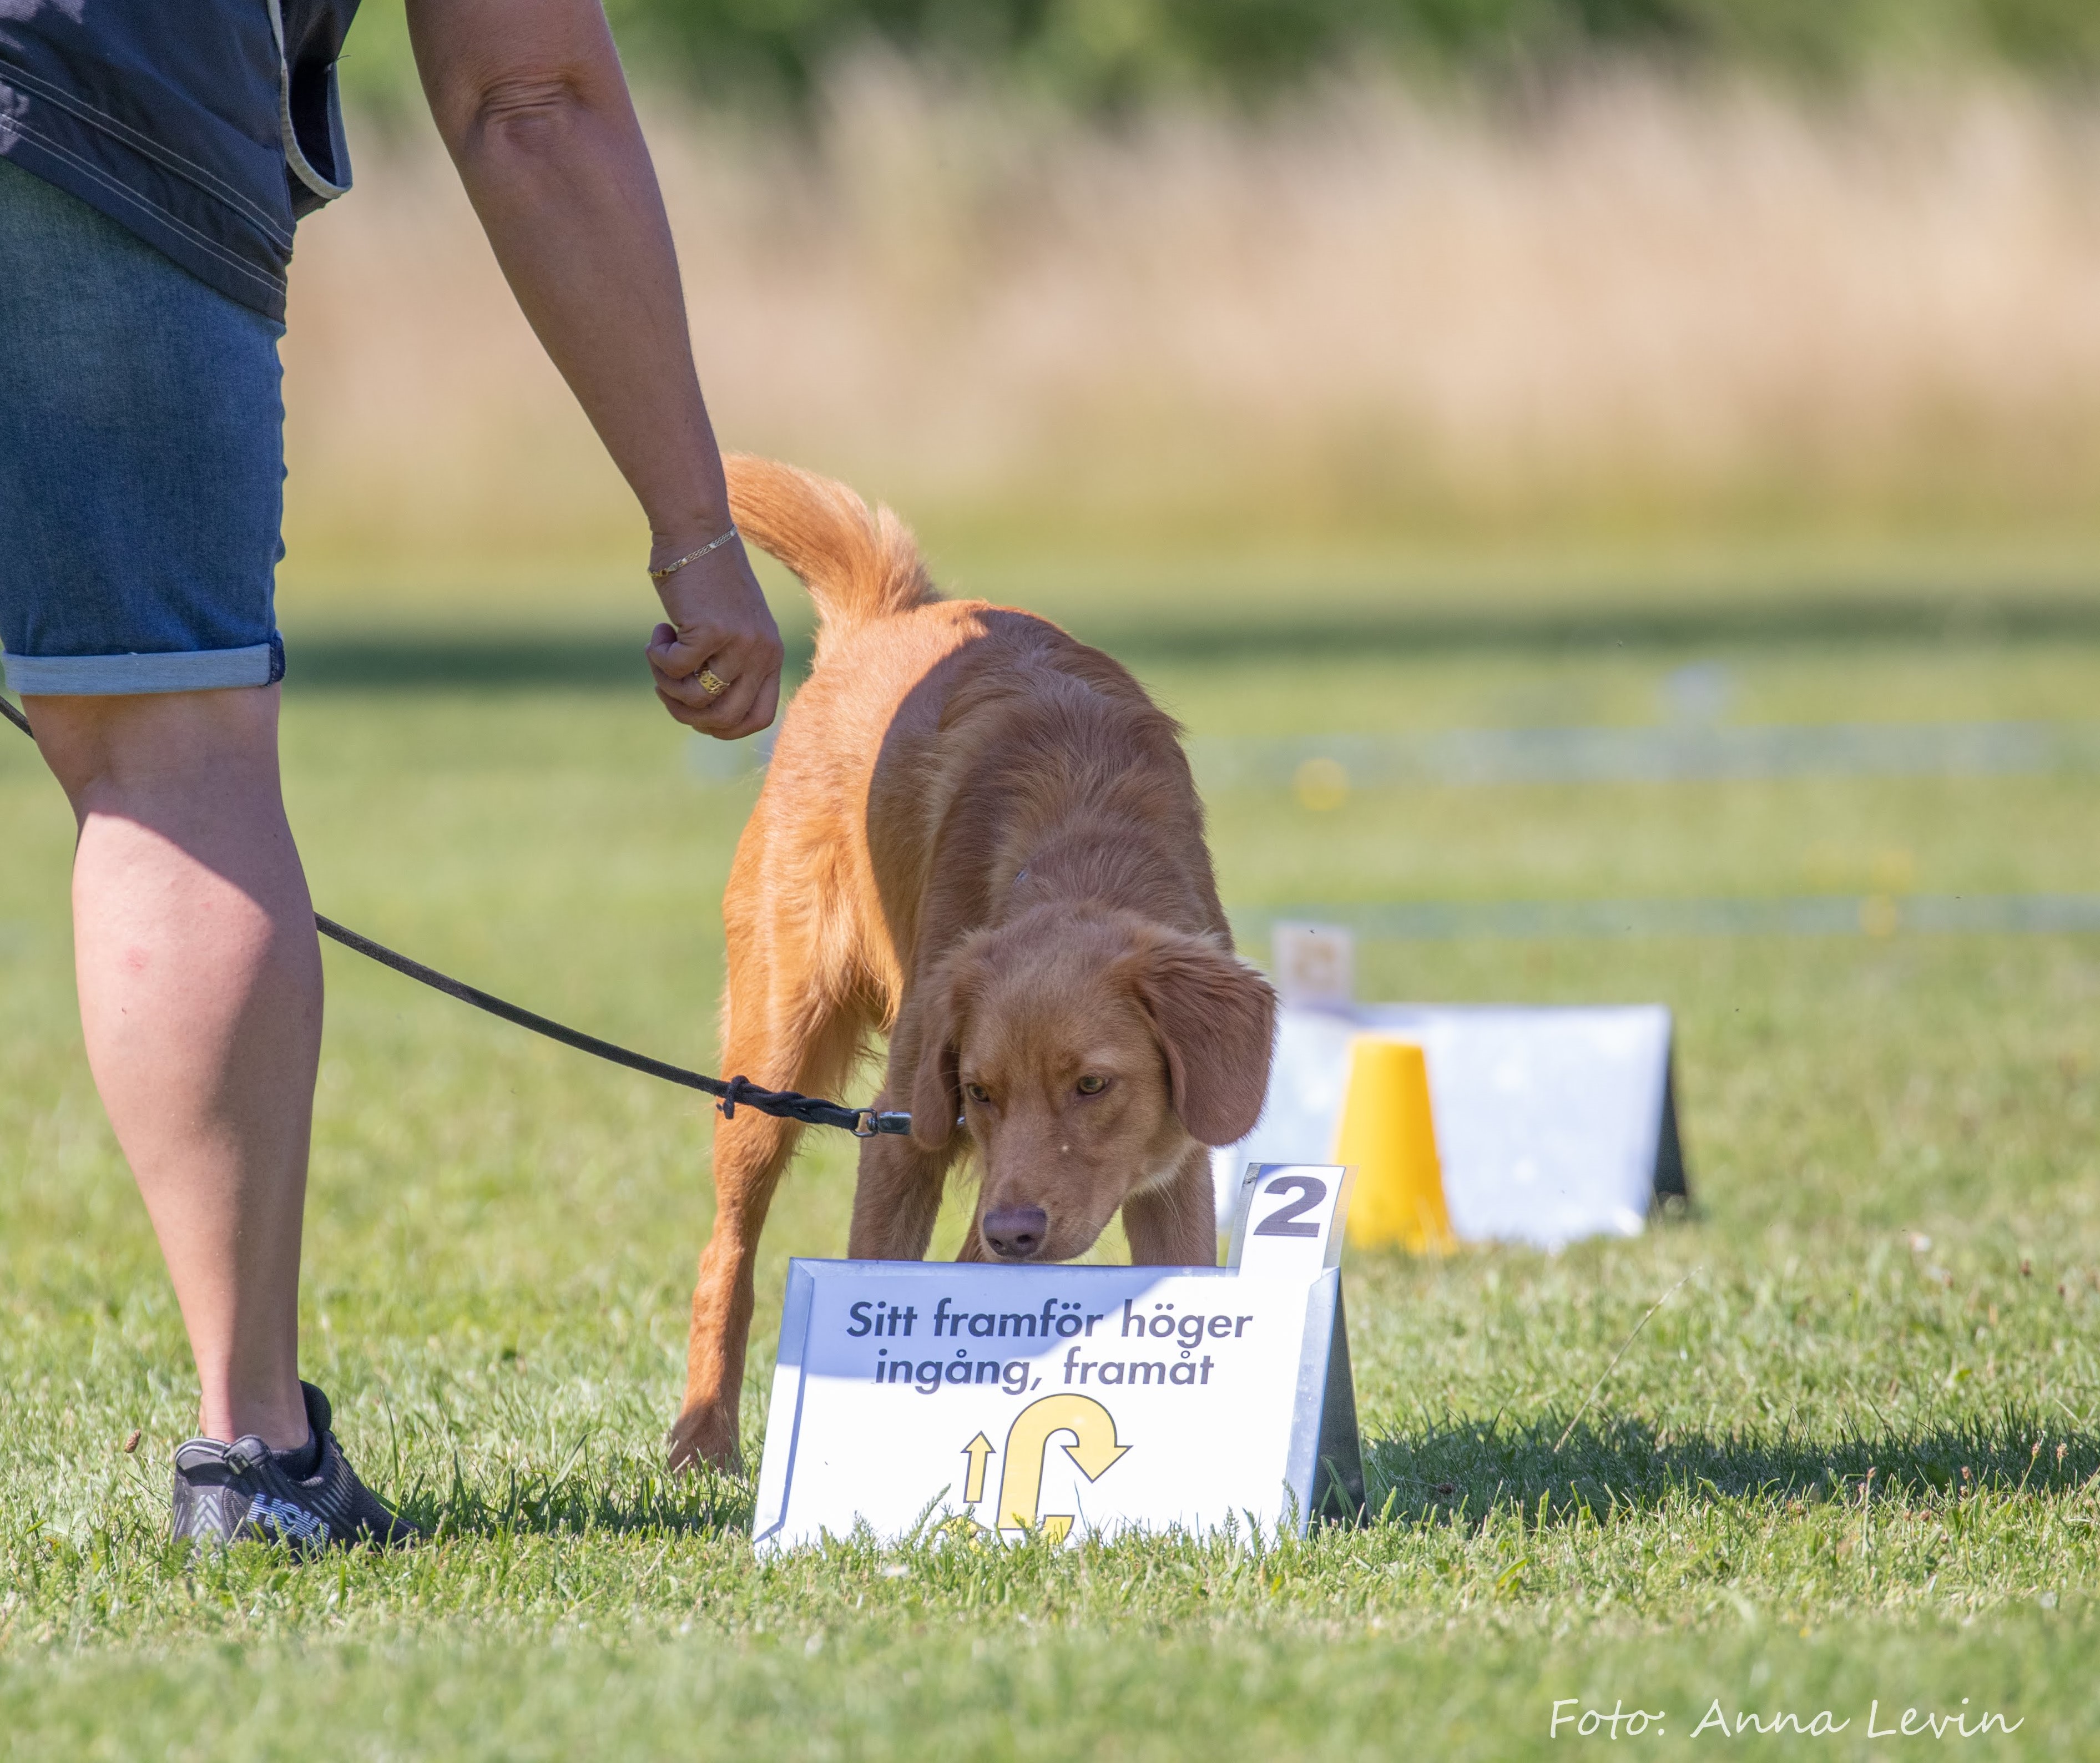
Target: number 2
{"points": [[1284, 1222]]}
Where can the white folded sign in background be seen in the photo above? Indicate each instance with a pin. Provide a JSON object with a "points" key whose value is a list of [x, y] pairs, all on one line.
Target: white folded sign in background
{"points": [[1553, 1123]]}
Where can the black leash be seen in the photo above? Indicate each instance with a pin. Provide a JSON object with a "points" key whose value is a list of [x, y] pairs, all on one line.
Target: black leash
{"points": [[734, 1092]]}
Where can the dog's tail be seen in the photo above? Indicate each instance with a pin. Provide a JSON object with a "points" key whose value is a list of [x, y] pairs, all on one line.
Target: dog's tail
{"points": [[856, 564]]}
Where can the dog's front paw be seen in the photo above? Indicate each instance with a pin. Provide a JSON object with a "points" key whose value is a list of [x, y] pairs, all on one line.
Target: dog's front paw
{"points": [[706, 1433]]}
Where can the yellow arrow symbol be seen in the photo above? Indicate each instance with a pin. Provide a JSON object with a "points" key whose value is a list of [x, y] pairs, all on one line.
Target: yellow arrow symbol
{"points": [[978, 1450], [1094, 1448]]}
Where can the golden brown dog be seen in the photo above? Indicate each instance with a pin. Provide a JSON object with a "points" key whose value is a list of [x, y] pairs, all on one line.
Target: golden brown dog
{"points": [[980, 835]]}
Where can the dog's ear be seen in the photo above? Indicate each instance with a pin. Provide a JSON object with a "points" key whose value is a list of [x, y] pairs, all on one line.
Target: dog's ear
{"points": [[1216, 1019], [929, 1038]]}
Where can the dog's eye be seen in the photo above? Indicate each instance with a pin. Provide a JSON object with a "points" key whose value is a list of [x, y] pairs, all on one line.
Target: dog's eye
{"points": [[978, 1092], [1090, 1085]]}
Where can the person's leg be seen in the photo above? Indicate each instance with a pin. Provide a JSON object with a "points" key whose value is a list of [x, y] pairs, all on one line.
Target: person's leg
{"points": [[200, 981], [141, 492]]}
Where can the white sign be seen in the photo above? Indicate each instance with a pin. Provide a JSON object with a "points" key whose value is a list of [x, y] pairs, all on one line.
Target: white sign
{"points": [[1552, 1123], [1065, 1400], [1313, 966]]}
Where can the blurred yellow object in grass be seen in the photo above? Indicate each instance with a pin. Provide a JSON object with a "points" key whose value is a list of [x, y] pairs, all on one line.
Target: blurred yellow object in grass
{"points": [[1880, 915], [1388, 1133], [1321, 785]]}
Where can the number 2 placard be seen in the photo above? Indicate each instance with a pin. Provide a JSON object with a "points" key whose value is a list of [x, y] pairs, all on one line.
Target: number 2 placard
{"points": [[1013, 1402], [1289, 1219]]}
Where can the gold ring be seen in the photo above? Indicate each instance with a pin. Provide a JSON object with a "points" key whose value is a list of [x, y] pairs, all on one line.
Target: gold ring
{"points": [[711, 682]]}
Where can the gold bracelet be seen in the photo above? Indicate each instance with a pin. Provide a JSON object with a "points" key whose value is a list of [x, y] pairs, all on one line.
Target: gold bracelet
{"points": [[659, 576]]}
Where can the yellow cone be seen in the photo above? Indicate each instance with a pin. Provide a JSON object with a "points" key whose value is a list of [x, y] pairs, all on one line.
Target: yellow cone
{"points": [[1388, 1134]]}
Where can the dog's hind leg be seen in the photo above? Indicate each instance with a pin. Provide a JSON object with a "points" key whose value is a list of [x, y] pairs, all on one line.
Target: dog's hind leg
{"points": [[752, 1152]]}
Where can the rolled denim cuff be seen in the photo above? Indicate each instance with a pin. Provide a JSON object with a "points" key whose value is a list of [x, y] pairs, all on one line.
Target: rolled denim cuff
{"points": [[204, 670]]}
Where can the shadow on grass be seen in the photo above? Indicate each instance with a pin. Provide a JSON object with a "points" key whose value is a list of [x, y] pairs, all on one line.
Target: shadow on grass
{"points": [[380, 660], [1467, 1468], [1443, 1471], [443, 660], [573, 1500], [1808, 616]]}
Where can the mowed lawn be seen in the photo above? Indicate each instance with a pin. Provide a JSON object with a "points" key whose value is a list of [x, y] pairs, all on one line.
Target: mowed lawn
{"points": [[1851, 1465]]}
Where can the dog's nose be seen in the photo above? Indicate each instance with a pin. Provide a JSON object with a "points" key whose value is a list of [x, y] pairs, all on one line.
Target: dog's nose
{"points": [[1016, 1232]]}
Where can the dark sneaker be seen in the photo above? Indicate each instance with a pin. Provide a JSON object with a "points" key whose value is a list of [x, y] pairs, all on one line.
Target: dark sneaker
{"points": [[307, 1499]]}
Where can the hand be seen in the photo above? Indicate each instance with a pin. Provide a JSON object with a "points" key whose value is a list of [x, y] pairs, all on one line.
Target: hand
{"points": [[720, 622]]}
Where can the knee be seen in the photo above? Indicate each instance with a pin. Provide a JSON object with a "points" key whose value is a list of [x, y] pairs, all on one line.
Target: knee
{"points": [[101, 749]]}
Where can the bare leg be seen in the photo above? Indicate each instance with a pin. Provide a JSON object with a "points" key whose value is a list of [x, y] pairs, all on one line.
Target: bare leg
{"points": [[200, 984], [1175, 1226]]}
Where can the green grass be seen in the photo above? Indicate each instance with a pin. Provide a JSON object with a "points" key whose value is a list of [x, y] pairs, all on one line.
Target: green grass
{"points": [[1812, 1481]]}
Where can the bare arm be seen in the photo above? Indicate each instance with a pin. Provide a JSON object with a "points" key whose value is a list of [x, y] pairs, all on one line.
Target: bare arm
{"points": [[532, 104]]}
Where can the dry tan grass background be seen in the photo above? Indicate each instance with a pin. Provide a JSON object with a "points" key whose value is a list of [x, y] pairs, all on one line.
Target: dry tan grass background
{"points": [[1634, 307]]}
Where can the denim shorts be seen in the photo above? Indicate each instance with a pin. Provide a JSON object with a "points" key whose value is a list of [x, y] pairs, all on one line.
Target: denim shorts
{"points": [[141, 462]]}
